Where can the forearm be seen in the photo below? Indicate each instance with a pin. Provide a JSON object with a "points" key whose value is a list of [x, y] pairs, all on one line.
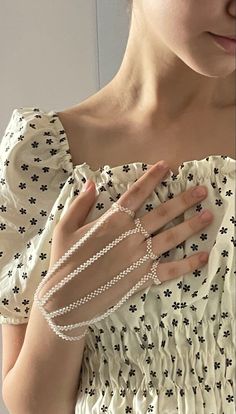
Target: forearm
{"points": [[45, 377]]}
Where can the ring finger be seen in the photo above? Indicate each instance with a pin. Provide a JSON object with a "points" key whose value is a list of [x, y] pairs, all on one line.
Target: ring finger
{"points": [[172, 237]]}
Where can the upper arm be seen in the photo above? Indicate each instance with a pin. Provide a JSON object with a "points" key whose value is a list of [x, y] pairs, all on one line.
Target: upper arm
{"points": [[32, 163], [12, 341], [34, 166]]}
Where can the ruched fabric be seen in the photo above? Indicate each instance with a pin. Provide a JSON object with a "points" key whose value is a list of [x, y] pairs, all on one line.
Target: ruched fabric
{"points": [[171, 347]]}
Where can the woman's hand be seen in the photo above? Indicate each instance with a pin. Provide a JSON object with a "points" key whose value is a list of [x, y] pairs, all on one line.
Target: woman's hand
{"points": [[71, 228]]}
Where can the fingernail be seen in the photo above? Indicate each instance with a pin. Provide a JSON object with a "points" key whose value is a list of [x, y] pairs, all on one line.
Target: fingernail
{"points": [[87, 185], [205, 215], [162, 165], [204, 257], [199, 191]]}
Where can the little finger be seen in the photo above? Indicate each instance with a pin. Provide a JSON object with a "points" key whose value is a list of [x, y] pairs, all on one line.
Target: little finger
{"points": [[172, 270]]}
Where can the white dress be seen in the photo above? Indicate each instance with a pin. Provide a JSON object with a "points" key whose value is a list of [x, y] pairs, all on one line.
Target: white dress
{"points": [[169, 348]]}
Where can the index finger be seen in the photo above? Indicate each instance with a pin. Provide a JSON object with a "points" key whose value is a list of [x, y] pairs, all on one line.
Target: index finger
{"points": [[140, 190]]}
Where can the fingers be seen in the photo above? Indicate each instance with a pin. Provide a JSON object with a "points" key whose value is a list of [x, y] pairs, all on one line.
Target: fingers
{"points": [[140, 190], [175, 269], [176, 235], [167, 211]]}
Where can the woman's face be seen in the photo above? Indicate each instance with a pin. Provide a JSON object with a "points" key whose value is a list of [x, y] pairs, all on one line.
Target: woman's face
{"points": [[183, 27]]}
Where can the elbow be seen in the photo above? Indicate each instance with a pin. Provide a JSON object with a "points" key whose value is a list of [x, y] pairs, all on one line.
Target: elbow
{"points": [[15, 404], [19, 401], [12, 405]]}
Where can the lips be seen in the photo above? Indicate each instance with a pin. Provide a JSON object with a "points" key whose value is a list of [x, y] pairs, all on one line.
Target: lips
{"points": [[227, 43], [228, 37]]}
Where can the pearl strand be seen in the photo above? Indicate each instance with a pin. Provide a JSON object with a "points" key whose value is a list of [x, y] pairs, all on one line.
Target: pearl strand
{"points": [[152, 274], [58, 328], [103, 288], [79, 243]]}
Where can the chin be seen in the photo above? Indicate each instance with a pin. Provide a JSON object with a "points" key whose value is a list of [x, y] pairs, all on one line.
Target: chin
{"points": [[211, 67]]}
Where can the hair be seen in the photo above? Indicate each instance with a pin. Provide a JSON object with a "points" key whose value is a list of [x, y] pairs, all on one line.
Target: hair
{"points": [[129, 9], [129, 6]]}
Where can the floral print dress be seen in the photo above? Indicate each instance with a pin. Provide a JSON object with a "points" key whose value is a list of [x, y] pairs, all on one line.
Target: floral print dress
{"points": [[169, 348]]}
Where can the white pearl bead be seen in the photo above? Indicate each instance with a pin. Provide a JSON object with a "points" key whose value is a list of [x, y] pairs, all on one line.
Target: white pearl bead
{"points": [[151, 275]]}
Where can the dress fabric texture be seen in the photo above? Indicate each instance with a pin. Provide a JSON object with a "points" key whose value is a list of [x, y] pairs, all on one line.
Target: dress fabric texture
{"points": [[169, 348]]}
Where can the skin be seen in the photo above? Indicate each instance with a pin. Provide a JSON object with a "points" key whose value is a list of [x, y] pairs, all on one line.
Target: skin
{"points": [[171, 67], [171, 64], [175, 89]]}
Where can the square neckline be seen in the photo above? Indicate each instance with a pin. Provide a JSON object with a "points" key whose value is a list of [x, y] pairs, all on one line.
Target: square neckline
{"points": [[183, 167]]}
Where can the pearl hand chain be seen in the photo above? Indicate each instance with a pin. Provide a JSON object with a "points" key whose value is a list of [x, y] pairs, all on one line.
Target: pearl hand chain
{"points": [[151, 275]]}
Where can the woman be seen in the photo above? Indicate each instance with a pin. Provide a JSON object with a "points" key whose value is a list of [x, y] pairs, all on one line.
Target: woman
{"points": [[169, 347]]}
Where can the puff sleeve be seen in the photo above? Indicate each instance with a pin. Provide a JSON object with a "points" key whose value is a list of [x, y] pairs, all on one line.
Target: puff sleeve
{"points": [[34, 166]]}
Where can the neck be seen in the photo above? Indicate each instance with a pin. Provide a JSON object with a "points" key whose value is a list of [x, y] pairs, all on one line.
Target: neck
{"points": [[153, 82]]}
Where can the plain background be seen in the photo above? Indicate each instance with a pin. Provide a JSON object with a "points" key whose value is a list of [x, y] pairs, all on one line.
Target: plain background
{"points": [[56, 53]]}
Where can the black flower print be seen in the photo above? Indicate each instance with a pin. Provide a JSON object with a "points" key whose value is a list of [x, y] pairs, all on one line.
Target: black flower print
{"points": [[132, 357]]}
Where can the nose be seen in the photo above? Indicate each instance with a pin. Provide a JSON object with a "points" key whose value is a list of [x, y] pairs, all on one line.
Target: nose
{"points": [[232, 8]]}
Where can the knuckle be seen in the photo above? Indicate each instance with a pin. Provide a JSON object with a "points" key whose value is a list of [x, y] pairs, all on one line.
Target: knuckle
{"points": [[194, 261], [171, 272], [112, 226], [162, 210], [170, 236], [187, 198], [191, 263], [153, 172], [193, 224], [116, 222], [136, 189]]}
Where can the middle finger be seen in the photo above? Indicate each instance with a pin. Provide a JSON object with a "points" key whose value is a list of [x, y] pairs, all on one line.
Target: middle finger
{"points": [[170, 209], [174, 236]]}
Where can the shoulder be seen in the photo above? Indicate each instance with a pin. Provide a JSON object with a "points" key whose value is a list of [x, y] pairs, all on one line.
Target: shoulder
{"points": [[88, 133], [36, 136], [81, 132], [28, 118]]}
